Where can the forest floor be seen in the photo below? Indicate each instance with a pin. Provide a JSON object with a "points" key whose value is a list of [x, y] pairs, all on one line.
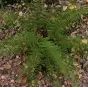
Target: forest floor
{"points": [[10, 66]]}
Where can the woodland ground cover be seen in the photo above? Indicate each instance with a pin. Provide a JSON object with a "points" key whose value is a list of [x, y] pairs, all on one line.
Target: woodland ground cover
{"points": [[44, 46]]}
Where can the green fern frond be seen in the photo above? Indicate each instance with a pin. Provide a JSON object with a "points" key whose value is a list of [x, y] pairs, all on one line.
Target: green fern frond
{"points": [[53, 53], [17, 43]]}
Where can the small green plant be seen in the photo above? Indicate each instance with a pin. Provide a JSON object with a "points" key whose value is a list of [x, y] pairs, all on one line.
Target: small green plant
{"points": [[48, 53], [11, 19]]}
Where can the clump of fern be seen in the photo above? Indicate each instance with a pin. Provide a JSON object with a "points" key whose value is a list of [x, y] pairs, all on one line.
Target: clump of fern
{"points": [[51, 52], [48, 53]]}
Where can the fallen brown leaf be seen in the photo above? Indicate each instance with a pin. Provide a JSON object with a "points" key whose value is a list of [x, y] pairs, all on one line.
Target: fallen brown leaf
{"points": [[24, 81]]}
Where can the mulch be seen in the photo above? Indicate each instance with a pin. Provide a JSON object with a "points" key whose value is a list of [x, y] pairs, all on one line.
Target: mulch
{"points": [[10, 70], [5, 34]]}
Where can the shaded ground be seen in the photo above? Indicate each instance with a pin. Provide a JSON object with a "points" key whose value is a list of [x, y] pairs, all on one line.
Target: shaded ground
{"points": [[81, 31], [84, 80], [10, 70], [4, 34]]}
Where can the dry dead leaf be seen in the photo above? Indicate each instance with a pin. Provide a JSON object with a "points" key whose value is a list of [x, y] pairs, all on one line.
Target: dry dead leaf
{"points": [[63, 85], [17, 57], [7, 66], [24, 81], [75, 64], [80, 75], [12, 81], [84, 41], [3, 77], [86, 0]]}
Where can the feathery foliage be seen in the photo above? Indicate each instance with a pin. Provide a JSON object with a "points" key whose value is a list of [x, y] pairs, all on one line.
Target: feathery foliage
{"points": [[45, 53]]}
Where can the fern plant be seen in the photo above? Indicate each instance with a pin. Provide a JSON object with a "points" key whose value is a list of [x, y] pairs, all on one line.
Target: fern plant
{"points": [[44, 53]]}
